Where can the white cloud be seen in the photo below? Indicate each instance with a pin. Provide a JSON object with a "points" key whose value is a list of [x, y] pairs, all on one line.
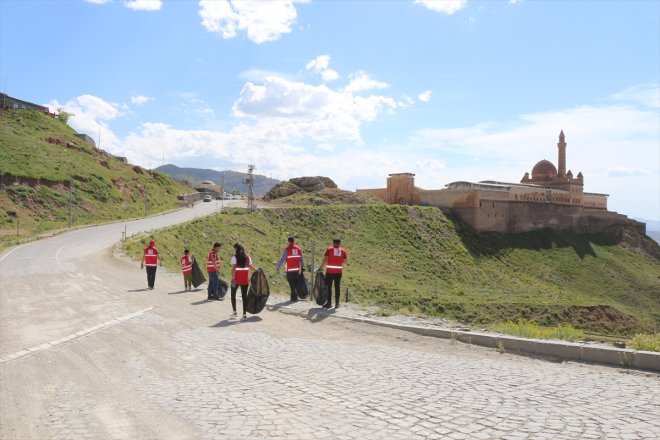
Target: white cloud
{"points": [[140, 99], [425, 96], [443, 6], [306, 110], [329, 75], [404, 102], [144, 5], [644, 94], [278, 97], [256, 75], [320, 65], [262, 20], [618, 171], [513, 2], [360, 81], [326, 147], [98, 2], [91, 115]]}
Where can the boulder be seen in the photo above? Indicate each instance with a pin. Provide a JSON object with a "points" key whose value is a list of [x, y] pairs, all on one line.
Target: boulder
{"points": [[310, 184], [283, 189]]}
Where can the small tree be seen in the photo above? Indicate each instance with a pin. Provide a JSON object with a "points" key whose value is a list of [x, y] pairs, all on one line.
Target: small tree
{"points": [[63, 115]]}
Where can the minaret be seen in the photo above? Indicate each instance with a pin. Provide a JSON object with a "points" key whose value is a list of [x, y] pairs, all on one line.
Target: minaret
{"points": [[561, 161]]}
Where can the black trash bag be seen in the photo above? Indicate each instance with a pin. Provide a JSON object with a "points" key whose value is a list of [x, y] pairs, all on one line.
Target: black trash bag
{"points": [[258, 293], [197, 275], [320, 291], [222, 288], [302, 286]]}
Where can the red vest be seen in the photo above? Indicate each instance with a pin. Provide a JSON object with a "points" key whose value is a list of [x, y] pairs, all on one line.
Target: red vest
{"points": [[336, 257], [212, 256], [293, 255], [186, 264], [151, 256], [241, 274]]}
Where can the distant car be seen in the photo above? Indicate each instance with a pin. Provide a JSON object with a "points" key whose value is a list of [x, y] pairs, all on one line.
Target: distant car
{"points": [[207, 198]]}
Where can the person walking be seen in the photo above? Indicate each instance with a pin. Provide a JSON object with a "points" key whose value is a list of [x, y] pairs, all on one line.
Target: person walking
{"points": [[333, 260], [187, 269], [151, 259], [213, 269], [293, 256], [241, 265]]}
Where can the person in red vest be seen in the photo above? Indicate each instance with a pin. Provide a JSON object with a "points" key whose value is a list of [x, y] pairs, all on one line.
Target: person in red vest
{"points": [[293, 255], [213, 270], [187, 269], [241, 265], [151, 259], [333, 261]]}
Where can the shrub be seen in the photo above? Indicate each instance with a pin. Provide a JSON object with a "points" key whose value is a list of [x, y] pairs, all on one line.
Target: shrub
{"points": [[645, 342]]}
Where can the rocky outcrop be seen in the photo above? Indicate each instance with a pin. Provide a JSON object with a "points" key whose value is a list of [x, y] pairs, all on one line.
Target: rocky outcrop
{"points": [[300, 184]]}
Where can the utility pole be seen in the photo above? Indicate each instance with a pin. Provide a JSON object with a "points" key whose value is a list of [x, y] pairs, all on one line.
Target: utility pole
{"points": [[222, 191], [70, 195], [250, 183]]}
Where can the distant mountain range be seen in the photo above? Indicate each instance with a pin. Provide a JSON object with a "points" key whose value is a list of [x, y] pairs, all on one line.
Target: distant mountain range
{"points": [[233, 179]]}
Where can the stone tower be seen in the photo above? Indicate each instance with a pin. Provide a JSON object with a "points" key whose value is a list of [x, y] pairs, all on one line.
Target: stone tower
{"points": [[561, 160]]}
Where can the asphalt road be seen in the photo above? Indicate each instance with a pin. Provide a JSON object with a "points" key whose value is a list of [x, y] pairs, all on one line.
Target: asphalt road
{"points": [[86, 351]]}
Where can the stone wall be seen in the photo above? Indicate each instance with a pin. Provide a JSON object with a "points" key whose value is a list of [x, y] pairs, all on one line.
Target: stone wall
{"points": [[514, 217]]}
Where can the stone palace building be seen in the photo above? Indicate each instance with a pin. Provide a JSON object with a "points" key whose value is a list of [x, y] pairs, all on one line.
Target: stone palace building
{"points": [[551, 198]]}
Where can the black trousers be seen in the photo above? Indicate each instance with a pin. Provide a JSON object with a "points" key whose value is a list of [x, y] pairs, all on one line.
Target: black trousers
{"points": [[243, 297], [329, 278], [292, 278], [151, 276]]}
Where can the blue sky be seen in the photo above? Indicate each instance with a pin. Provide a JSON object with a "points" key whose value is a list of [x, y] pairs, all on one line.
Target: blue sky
{"points": [[354, 90]]}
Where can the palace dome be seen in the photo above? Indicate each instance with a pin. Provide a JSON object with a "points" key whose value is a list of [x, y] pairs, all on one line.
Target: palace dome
{"points": [[543, 170]]}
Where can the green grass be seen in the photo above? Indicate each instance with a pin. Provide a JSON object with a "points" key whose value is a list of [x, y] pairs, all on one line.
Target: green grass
{"points": [[414, 260], [526, 329], [36, 175], [645, 342]]}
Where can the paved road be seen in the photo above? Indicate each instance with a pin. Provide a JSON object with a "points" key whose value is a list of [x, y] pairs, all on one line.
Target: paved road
{"points": [[87, 352]]}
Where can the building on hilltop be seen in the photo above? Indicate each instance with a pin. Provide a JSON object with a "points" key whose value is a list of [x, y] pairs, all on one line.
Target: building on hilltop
{"points": [[551, 198], [7, 101]]}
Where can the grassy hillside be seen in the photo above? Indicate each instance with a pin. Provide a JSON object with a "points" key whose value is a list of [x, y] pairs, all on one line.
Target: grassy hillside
{"points": [[414, 260], [35, 175]]}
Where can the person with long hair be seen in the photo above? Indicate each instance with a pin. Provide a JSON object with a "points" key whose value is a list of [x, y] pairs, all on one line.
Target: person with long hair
{"points": [[241, 266]]}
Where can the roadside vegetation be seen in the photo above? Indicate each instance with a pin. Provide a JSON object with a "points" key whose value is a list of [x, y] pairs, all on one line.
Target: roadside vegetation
{"points": [[646, 342], [526, 329], [47, 185], [415, 260]]}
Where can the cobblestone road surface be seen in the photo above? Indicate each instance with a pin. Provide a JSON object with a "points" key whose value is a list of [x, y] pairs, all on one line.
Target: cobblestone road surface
{"points": [[337, 380]]}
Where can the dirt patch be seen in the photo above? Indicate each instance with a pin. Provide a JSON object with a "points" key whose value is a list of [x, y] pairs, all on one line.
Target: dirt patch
{"points": [[597, 319], [603, 319]]}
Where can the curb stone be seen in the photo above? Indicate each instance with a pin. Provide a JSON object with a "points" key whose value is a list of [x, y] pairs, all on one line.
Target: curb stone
{"points": [[550, 349]]}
